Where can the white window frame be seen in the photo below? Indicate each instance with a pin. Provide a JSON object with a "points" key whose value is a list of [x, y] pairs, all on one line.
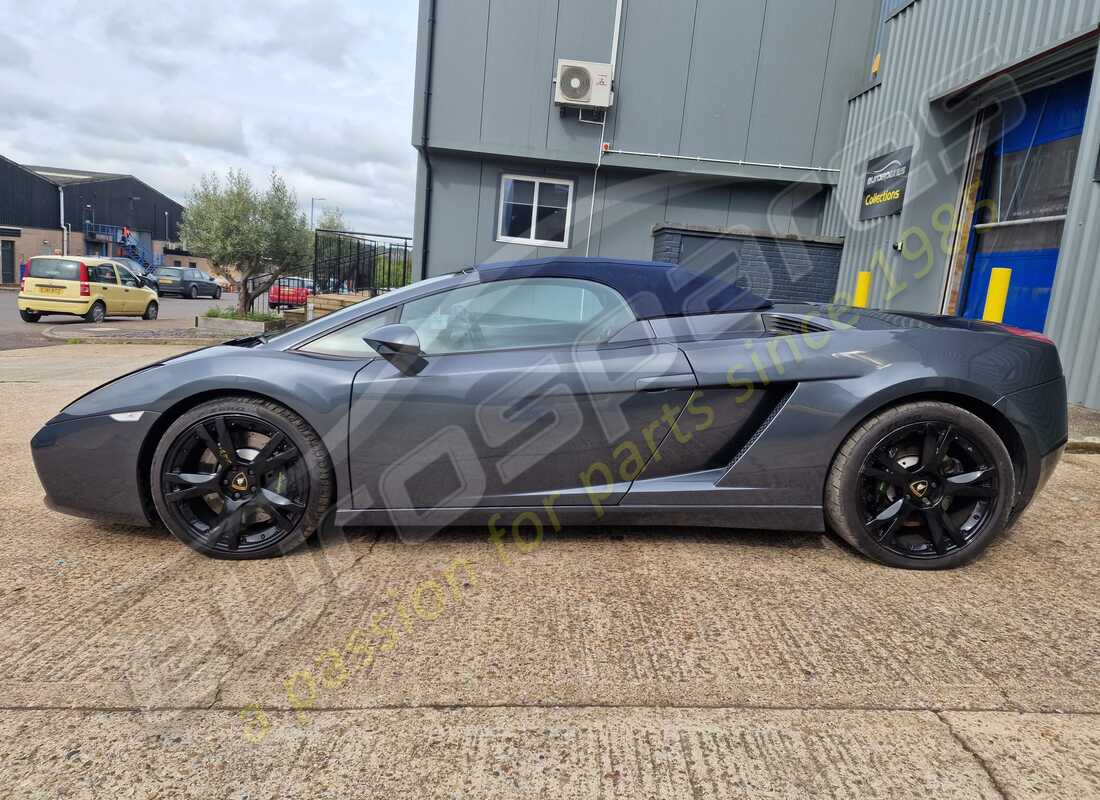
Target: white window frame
{"points": [[534, 212]]}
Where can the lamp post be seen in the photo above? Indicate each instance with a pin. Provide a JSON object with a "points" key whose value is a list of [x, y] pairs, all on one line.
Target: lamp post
{"points": [[313, 200]]}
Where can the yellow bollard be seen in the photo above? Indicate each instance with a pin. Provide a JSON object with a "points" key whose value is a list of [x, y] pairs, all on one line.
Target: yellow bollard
{"points": [[997, 295], [863, 290]]}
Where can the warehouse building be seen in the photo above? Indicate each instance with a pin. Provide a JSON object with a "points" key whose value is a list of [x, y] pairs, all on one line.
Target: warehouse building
{"points": [[45, 210], [947, 151]]}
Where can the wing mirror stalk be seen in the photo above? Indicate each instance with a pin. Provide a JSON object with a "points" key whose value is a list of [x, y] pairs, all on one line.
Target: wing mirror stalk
{"points": [[400, 346]]}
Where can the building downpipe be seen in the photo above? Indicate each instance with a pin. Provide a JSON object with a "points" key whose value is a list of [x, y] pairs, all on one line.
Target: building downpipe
{"points": [[425, 231]]}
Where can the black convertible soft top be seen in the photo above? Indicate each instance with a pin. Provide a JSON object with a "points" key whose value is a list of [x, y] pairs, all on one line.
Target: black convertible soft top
{"points": [[652, 288]]}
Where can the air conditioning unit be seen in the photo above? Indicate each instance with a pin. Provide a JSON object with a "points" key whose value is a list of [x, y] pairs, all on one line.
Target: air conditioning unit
{"points": [[583, 84]]}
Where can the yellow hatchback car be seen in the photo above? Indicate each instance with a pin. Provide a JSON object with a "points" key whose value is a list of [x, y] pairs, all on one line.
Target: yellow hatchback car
{"points": [[93, 288]]}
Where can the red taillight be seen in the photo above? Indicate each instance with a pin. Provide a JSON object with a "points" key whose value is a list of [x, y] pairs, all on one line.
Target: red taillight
{"points": [[85, 290], [1027, 334]]}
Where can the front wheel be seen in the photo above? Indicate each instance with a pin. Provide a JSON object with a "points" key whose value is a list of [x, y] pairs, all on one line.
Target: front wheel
{"points": [[194, 293], [151, 311], [241, 478], [924, 485], [97, 313], [217, 294], [29, 316]]}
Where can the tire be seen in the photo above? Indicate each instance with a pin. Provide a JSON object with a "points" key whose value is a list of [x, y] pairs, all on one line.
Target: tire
{"points": [[97, 313], [151, 311], [29, 316], [218, 294], [306, 477], [194, 293], [924, 485]]}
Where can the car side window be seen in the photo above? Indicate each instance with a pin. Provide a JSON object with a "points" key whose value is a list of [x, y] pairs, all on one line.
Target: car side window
{"points": [[511, 314], [128, 278], [104, 273], [348, 341]]}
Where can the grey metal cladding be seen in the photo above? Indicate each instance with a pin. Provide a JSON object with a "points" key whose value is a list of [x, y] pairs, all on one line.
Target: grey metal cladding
{"points": [[725, 79], [652, 75], [458, 71], [789, 79], [717, 105]]}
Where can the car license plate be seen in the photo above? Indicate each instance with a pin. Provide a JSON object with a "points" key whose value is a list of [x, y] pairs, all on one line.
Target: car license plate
{"points": [[51, 289]]}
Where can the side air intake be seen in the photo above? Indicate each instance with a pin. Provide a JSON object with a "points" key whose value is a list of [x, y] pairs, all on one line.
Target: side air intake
{"points": [[792, 326]]}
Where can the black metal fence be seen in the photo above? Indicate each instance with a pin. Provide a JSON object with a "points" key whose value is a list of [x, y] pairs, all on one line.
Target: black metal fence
{"points": [[353, 263], [345, 263]]}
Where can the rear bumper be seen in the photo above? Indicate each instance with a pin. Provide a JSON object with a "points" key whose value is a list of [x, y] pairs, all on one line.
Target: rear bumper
{"points": [[1040, 416], [90, 467], [54, 305]]}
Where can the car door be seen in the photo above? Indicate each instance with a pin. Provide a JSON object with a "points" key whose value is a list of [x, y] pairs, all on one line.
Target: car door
{"points": [[103, 284], [529, 391], [133, 298]]}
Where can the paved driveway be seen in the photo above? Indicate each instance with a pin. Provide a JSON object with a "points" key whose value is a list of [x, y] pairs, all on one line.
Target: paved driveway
{"points": [[595, 663]]}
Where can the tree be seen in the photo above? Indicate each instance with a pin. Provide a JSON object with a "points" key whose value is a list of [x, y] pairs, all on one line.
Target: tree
{"points": [[331, 220], [252, 238]]}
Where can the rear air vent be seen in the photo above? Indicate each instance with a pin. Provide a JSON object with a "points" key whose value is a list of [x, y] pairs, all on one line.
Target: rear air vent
{"points": [[785, 326]]}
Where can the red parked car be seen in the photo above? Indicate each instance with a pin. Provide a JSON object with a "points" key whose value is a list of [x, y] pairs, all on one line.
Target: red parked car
{"points": [[290, 292]]}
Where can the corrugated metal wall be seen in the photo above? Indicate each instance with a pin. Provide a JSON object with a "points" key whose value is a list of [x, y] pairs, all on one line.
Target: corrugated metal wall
{"points": [[27, 200], [1074, 319], [931, 47]]}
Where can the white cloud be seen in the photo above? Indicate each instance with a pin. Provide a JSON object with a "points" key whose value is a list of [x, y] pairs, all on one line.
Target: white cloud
{"points": [[171, 92]]}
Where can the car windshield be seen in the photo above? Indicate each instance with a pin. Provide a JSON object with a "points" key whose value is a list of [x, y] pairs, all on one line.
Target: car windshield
{"points": [[169, 272], [57, 269]]}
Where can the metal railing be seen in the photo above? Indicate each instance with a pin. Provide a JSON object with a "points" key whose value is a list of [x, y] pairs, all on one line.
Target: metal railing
{"points": [[350, 262]]}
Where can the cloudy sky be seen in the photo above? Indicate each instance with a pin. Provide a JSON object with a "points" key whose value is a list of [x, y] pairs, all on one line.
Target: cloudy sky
{"points": [[320, 91]]}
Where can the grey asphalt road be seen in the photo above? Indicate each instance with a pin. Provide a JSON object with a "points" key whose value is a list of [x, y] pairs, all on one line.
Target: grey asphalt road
{"points": [[15, 334], [611, 663]]}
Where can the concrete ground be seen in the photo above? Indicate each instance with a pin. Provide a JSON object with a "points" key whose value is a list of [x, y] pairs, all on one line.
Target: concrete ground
{"points": [[652, 663]]}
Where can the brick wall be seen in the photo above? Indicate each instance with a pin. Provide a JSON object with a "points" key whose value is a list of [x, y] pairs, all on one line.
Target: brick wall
{"points": [[779, 267]]}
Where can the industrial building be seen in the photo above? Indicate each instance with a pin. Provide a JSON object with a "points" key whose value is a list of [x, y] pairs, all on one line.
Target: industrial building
{"points": [[940, 148], [45, 210]]}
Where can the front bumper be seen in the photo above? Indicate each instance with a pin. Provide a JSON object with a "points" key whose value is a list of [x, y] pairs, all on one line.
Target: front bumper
{"points": [[56, 305], [91, 467]]}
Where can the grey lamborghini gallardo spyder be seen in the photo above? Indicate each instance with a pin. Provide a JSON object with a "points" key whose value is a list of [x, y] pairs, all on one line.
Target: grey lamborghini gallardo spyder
{"points": [[597, 391]]}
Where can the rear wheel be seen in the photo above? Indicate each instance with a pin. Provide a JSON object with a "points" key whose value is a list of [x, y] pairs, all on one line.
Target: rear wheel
{"points": [[241, 478], [194, 293], [151, 311], [925, 485], [29, 316], [97, 313]]}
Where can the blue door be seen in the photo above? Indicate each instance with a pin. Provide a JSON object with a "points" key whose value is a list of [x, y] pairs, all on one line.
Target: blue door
{"points": [[1027, 174]]}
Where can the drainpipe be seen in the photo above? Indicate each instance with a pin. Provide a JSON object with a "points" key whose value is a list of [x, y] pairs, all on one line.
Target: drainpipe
{"points": [[425, 231], [61, 217], [603, 125]]}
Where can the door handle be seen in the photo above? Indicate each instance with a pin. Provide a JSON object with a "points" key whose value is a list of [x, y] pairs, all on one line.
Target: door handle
{"points": [[660, 383]]}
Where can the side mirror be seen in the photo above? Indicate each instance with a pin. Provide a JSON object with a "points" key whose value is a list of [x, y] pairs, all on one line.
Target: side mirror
{"points": [[399, 345]]}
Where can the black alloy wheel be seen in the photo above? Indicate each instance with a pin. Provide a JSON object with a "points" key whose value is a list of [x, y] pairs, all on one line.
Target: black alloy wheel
{"points": [[926, 485], [927, 490], [241, 478]]}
